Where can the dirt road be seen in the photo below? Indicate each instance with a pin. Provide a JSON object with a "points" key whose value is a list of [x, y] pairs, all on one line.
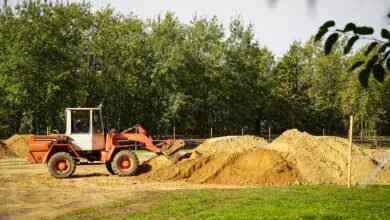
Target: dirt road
{"points": [[27, 191]]}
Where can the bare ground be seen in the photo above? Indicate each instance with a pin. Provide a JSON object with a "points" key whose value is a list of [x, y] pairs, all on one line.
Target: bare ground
{"points": [[27, 191]]}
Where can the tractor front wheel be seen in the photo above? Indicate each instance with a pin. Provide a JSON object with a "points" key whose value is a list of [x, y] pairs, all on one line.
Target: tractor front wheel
{"points": [[61, 165], [109, 168], [125, 163]]}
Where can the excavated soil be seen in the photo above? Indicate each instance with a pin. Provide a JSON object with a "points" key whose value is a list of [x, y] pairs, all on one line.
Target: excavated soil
{"points": [[154, 163], [15, 146], [238, 160], [294, 157], [323, 159], [258, 166], [5, 152], [228, 144]]}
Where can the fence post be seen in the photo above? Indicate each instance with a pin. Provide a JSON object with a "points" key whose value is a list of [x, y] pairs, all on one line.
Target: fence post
{"points": [[323, 132], [174, 133], [350, 151], [242, 131], [211, 132], [269, 134]]}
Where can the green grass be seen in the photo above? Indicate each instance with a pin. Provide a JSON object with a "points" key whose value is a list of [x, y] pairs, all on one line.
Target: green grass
{"points": [[270, 202]]}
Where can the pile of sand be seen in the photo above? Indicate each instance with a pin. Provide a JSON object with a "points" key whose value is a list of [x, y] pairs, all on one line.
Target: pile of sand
{"points": [[323, 159], [15, 146], [154, 164], [228, 144], [257, 166], [5, 152], [294, 157], [235, 160]]}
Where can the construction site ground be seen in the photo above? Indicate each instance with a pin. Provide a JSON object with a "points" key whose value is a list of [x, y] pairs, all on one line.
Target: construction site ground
{"points": [[27, 191], [294, 158]]}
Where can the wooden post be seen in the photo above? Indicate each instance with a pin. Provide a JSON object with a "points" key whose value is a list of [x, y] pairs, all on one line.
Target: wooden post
{"points": [[323, 132], [350, 150], [211, 132], [174, 133], [269, 134], [242, 131]]}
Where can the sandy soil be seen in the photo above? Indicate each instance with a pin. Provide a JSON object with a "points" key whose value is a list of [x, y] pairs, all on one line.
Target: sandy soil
{"points": [[27, 191]]}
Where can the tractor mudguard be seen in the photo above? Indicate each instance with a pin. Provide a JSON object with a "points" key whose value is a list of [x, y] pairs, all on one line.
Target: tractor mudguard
{"points": [[60, 148]]}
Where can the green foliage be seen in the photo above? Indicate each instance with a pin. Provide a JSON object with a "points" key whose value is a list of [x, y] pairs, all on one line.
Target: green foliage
{"points": [[272, 202], [330, 42], [350, 43], [164, 74], [354, 33]]}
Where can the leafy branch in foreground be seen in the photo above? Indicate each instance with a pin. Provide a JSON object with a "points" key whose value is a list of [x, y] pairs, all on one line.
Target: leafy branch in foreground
{"points": [[376, 62]]}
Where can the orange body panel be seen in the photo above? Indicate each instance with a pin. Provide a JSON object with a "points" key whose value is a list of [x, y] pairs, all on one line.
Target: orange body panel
{"points": [[59, 148], [98, 142], [40, 146], [36, 157]]}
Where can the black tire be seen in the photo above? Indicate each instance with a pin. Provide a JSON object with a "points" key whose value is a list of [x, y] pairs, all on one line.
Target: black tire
{"points": [[109, 167], [61, 165], [125, 163]]}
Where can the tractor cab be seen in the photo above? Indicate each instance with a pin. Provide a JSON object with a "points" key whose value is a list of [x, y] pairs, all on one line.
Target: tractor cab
{"points": [[84, 127]]}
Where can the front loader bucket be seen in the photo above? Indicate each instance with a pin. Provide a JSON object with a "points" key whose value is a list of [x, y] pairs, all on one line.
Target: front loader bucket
{"points": [[171, 148]]}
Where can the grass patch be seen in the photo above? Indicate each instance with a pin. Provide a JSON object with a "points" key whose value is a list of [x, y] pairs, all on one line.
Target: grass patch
{"points": [[270, 202]]}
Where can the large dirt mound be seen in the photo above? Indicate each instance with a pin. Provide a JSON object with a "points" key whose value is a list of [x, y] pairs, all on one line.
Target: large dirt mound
{"points": [[323, 159], [15, 146], [257, 166], [228, 144], [293, 157]]}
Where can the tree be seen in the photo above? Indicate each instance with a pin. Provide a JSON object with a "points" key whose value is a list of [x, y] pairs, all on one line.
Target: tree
{"points": [[41, 40], [369, 105], [289, 92]]}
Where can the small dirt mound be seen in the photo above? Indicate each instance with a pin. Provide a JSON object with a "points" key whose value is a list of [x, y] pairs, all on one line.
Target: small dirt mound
{"points": [[154, 164], [17, 145], [228, 144], [5, 152], [322, 159], [257, 166]]}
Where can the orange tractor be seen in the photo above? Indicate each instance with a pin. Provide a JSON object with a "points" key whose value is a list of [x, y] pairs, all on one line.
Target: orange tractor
{"points": [[86, 139]]}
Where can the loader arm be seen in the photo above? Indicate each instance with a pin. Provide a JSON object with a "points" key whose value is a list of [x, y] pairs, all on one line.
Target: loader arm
{"points": [[166, 147]]}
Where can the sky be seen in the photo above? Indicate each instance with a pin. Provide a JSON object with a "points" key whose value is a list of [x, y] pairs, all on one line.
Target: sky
{"points": [[277, 23]]}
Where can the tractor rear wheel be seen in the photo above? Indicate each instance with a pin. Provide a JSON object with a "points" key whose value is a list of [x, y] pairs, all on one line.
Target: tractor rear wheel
{"points": [[61, 165], [109, 167], [125, 163]]}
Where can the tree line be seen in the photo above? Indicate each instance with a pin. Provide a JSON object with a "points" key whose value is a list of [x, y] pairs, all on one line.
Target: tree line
{"points": [[163, 73]]}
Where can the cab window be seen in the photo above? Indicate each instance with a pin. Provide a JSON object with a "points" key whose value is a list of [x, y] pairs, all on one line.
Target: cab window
{"points": [[80, 122]]}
